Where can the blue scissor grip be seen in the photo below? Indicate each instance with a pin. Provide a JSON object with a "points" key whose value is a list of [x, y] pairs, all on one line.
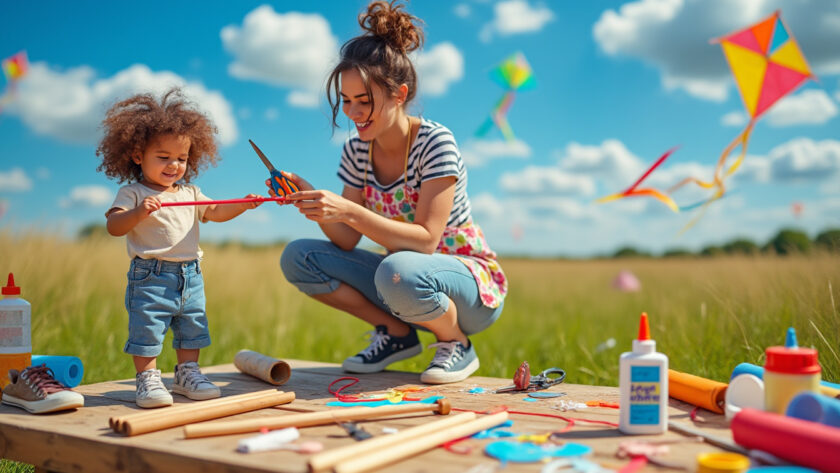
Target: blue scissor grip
{"points": [[282, 186]]}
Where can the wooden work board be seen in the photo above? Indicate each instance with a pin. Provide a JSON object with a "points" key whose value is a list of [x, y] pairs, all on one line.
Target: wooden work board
{"points": [[81, 440]]}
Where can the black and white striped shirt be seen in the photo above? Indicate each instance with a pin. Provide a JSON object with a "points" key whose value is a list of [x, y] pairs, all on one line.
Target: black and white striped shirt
{"points": [[434, 154]]}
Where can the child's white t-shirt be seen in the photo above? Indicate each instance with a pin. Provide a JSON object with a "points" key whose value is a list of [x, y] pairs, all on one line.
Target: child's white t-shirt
{"points": [[169, 234]]}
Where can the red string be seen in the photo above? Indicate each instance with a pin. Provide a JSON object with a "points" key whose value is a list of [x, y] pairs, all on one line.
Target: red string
{"points": [[355, 397]]}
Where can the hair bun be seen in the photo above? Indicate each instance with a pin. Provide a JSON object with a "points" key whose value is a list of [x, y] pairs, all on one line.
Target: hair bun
{"points": [[393, 25]]}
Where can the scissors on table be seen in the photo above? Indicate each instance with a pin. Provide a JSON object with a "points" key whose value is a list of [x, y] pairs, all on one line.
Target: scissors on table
{"points": [[523, 381], [281, 185]]}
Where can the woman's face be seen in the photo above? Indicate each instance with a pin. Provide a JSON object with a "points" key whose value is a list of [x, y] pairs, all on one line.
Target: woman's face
{"points": [[356, 104]]}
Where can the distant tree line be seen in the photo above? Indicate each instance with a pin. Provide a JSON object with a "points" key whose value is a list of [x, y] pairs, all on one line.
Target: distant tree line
{"points": [[786, 241]]}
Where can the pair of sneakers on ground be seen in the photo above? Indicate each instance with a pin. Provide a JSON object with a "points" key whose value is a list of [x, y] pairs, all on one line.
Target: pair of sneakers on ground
{"points": [[188, 381], [453, 361]]}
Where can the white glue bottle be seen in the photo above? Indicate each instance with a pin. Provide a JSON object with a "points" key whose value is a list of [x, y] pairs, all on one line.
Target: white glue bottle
{"points": [[643, 386]]}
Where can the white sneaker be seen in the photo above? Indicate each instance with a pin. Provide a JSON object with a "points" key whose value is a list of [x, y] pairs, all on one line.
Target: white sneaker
{"points": [[191, 383], [150, 390], [452, 363]]}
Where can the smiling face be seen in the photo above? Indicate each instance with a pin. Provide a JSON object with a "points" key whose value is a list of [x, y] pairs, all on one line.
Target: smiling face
{"points": [[164, 161], [357, 105]]}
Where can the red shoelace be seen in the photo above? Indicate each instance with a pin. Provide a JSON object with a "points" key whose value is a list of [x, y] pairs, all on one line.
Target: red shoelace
{"points": [[42, 380]]}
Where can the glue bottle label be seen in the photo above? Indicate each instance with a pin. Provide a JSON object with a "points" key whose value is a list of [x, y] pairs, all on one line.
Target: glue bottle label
{"points": [[644, 395]]}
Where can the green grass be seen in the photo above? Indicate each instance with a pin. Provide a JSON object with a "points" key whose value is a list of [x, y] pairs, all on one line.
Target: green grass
{"points": [[707, 315]]}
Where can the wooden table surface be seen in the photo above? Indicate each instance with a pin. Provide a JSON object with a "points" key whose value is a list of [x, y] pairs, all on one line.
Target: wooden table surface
{"points": [[81, 441]]}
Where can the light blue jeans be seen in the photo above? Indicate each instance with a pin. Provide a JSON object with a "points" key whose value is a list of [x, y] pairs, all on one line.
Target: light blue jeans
{"points": [[415, 287]]}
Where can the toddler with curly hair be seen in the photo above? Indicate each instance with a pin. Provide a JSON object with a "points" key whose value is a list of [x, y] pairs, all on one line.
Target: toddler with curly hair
{"points": [[158, 148]]}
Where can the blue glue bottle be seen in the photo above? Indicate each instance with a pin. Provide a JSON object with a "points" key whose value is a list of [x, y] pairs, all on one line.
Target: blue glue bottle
{"points": [[643, 386]]}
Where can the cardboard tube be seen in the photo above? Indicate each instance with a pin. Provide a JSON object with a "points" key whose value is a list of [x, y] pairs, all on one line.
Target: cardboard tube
{"points": [[271, 370], [312, 418], [795, 440], [117, 422], [418, 445], [329, 458], [173, 419], [697, 391]]}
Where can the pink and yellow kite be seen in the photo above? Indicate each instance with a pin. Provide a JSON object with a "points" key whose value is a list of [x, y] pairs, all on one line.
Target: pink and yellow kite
{"points": [[14, 68], [513, 74]]}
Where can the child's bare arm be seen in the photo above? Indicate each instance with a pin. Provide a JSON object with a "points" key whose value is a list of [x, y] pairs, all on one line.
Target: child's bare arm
{"points": [[223, 213], [122, 221]]}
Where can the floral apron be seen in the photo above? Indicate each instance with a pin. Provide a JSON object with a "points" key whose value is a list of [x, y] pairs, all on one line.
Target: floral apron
{"points": [[465, 242]]}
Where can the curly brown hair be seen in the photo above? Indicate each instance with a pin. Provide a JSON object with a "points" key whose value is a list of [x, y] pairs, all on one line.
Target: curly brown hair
{"points": [[130, 125], [380, 54]]}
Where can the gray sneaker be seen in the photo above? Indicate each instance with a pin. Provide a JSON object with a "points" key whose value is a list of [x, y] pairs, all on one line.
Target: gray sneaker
{"points": [[150, 390], [191, 383], [452, 363]]}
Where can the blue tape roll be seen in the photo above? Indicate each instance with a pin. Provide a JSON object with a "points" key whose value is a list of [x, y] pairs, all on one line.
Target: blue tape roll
{"points": [[815, 408], [758, 371], [68, 370]]}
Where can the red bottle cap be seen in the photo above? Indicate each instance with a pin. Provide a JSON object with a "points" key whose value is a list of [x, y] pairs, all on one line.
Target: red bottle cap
{"points": [[792, 360], [644, 327], [10, 289]]}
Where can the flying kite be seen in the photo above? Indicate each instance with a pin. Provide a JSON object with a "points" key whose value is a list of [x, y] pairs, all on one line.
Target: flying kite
{"points": [[767, 64], [513, 74], [14, 68]]}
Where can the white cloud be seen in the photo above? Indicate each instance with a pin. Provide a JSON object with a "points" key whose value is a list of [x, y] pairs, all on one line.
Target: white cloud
{"points": [[438, 68], [809, 107], [477, 153], [610, 161], [42, 173], [244, 113], [14, 180], [546, 180], [294, 50], [673, 36], [87, 196], [71, 104], [803, 159], [516, 17], [304, 98], [462, 10], [734, 119], [271, 114]]}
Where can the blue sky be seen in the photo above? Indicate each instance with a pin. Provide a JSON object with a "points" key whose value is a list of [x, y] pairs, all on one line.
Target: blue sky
{"points": [[618, 83]]}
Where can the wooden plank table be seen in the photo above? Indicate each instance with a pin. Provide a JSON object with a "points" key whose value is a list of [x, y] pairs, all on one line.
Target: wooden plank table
{"points": [[81, 440]]}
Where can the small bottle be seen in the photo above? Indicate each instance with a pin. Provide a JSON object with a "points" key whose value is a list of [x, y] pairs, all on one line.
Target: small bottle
{"points": [[643, 386], [15, 331], [788, 371]]}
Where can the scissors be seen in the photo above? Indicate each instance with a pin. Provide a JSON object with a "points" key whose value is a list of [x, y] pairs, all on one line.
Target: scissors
{"points": [[279, 183], [523, 381]]}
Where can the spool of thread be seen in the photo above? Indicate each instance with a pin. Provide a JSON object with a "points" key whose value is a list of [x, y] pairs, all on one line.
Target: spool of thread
{"points": [[744, 390], [722, 462], [697, 391], [68, 370], [826, 388], [815, 408], [271, 370], [795, 440]]}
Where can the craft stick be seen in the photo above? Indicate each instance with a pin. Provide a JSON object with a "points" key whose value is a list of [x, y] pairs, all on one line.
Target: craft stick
{"points": [[174, 419], [271, 370], [403, 450], [697, 391], [314, 418], [329, 458], [116, 422], [221, 202]]}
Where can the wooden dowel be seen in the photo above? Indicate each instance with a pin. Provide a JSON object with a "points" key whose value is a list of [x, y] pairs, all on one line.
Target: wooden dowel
{"points": [[174, 419], [313, 418], [404, 450], [116, 422], [329, 458]]}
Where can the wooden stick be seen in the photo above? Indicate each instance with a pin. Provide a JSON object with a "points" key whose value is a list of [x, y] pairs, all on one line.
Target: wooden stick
{"points": [[173, 419], [329, 458], [404, 450], [116, 422], [314, 418]]}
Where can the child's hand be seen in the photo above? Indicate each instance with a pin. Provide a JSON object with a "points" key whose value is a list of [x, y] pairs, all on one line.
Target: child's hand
{"points": [[150, 204], [251, 205]]}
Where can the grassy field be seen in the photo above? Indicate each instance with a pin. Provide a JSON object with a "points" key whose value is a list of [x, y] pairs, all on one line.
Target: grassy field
{"points": [[706, 314]]}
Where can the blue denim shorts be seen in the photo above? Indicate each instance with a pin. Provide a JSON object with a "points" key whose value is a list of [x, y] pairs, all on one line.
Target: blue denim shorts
{"points": [[163, 294]]}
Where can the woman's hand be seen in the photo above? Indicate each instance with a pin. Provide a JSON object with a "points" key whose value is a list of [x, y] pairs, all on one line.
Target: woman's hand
{"points": [[321, 206]]}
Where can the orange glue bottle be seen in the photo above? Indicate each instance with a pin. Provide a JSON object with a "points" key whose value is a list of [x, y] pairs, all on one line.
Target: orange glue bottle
{"points": [[788, 371], [643, 386], [15, 331]]}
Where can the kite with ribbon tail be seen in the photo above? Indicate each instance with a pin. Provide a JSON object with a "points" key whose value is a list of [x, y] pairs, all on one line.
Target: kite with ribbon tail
{"points": [[14, 68], [513, 74], [767, 64]]}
